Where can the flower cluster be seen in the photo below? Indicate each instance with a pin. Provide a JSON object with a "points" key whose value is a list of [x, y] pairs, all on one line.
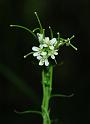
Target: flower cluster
{"points": [[46, 49]]}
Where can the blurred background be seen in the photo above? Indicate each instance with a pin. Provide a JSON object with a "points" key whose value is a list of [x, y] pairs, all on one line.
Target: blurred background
{"points": [[20, 79]]}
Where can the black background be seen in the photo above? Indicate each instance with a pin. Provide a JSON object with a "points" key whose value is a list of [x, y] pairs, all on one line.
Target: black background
{"points": [[20, 79]]}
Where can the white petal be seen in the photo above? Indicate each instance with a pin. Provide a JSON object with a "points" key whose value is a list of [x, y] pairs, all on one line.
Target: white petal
{"points": [[53, 41], [46, 62], [39, 57], [55, 53], [45, 45], [52, 56], [36, 54], [43, 53], [41, 62], [46, 40], [51, 47], [34, 48], [40, 37], [41, 46]]}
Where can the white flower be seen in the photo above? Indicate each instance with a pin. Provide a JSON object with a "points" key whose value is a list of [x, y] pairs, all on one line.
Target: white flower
{"points": [[53, 53], [51, 47], [39, 57], [49, 43], [46, 41], [46, 62], [36, 50], [53, 41], [43, 61], [45, 50]]}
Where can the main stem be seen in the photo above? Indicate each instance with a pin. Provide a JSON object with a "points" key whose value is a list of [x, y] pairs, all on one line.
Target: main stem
{"points": [[47, 88]]}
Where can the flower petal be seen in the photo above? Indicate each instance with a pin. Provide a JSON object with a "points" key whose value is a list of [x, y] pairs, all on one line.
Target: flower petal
{"points": [[43, 53], [53, 41], [41, 62], [51, 47], [34, 48], [40, 37], [46, 40], [41, 46], [36, 54], [39, 57], [45, 45], [52, 56], [55, 53], [46, 62]]}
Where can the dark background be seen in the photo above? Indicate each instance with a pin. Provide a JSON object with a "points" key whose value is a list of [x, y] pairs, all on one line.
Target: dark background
{"points": [[20, 79]]}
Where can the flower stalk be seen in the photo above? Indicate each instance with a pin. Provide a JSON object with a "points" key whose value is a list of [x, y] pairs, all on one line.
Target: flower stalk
{"points": [[47, 89]]}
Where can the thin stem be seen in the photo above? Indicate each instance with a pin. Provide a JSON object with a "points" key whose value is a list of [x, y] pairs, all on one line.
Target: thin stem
{"points": [[26, 112], [43, 88], [67, 39], [28, 54], [19, 26], [51, 32], [39, 22], [47, 114], [36, 29], [47, 88], [73, 47], [58, 36], [62, 95], [51, 73], [71, 37]]}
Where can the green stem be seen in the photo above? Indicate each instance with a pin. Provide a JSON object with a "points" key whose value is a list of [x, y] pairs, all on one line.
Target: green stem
{"points": [[62, 95], [51, 32], [41, 29], [19, 26], [26, 112], [47, 88], [73, 46]]}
